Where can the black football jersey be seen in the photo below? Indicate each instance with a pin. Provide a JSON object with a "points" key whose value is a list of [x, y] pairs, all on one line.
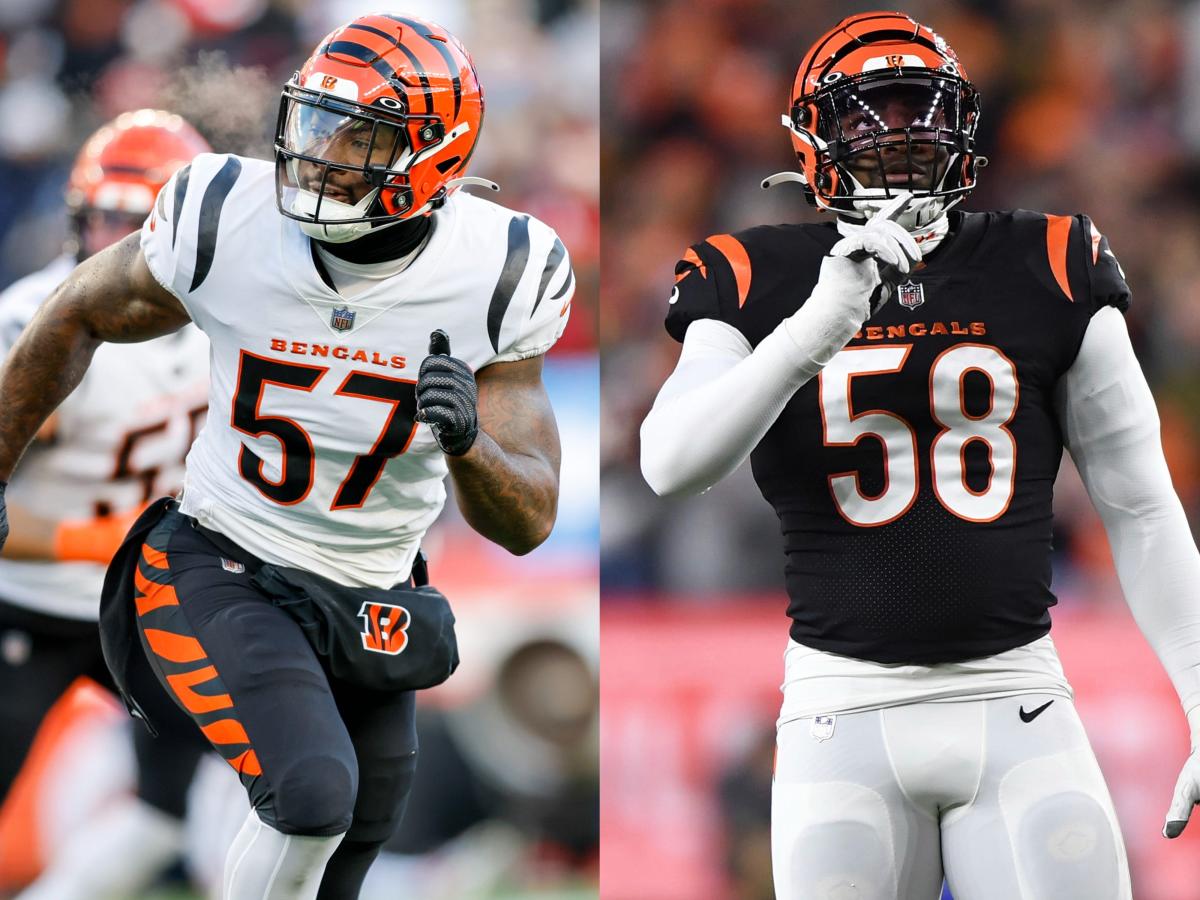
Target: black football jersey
{"points": [[913, 478]]}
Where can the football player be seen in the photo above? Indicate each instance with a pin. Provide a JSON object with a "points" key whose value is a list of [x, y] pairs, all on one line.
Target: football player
{"points": [[116, 442], [904, 380], [372, 328]]}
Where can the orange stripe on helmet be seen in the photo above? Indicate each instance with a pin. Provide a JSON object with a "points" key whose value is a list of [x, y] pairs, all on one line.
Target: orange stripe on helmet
{"points": [[226, 731], [246, 763], [1058, 230], [154, 596], [177, 648], [733, 250], [182, 685]]}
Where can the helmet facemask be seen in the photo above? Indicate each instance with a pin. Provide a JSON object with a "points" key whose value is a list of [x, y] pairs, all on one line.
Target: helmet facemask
{"points": [[342, 167], [861, 139]]}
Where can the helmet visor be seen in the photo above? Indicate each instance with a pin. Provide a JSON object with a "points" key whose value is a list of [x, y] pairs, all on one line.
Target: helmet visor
{"points": [[334, 151], [340, 136]]}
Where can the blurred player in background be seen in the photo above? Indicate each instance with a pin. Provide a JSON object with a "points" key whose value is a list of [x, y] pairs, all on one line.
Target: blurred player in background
{"points": [[115, 443], [904, 381], [315, 494]]}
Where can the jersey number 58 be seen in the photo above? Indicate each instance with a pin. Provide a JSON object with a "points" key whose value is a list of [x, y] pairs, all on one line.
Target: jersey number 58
{"points": [[845, 428]]}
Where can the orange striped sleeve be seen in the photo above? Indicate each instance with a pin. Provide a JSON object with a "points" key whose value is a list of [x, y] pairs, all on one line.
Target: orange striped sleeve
{"points": [[739, 260], [1058, 231]]}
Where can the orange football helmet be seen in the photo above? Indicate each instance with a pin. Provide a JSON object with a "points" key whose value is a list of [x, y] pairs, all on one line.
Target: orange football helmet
{"points": [[375, 126], [881, 103], [120, 171]]}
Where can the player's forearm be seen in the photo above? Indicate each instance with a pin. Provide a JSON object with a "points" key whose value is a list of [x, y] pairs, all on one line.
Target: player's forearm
{"points": [[32, 537], [44, 366], [1159, 571], [1112, 428], [715, 408], [510, 498]]}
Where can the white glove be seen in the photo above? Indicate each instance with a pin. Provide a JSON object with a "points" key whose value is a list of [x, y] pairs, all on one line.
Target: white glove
{"points": [[877, 254], [1187, 788]]}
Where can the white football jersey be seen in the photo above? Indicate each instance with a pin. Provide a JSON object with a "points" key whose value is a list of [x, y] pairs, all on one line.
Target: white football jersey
{"points": [[311, 457], [119, 440]]}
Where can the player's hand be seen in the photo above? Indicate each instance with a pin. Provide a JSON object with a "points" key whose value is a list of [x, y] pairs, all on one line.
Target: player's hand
{"points": [[3, 516], [1187, 794], [447, 397], [877, 255]]}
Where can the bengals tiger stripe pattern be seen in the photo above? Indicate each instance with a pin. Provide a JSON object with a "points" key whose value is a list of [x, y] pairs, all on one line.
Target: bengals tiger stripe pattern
{"points": [[184, 665]]}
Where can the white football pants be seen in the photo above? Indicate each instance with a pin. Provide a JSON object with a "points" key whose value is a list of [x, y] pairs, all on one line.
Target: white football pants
{"points": [[1002, 797]]}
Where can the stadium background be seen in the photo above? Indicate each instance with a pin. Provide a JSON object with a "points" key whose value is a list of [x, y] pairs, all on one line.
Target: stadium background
{"points": [[508, 805], [1087, 106]]}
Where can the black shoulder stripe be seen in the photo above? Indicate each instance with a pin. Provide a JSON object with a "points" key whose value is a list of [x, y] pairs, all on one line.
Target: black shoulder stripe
{"points": [[510, 276], [567, 285], [557, 252], [181, 183], [443, 51], [210, 218]]}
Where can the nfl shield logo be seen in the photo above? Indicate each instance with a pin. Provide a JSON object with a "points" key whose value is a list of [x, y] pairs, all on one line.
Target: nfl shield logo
{"points": [[912, 295], [822, 727], [342, 319]]}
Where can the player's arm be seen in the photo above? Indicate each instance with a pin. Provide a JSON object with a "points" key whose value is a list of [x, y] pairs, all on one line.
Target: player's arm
{"points": [[1111, 427], [110, 297], [37, 538], [723, 396], [497, 429]]}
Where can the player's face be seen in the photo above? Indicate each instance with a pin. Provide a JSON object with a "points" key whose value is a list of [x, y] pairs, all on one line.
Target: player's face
{"points": [[923, 110], [102, 228], [343, 140]]}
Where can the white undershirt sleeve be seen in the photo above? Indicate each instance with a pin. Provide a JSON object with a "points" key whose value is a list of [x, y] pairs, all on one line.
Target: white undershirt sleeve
{"points": [[1111, 428], [717, 405]]}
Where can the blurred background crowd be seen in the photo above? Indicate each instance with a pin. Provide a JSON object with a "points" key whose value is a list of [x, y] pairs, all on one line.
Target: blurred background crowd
{"points": [[1087, 107], [506, 804]]}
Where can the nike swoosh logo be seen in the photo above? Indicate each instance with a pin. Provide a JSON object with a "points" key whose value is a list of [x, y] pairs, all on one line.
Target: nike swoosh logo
{"points": [[1033, 713]]}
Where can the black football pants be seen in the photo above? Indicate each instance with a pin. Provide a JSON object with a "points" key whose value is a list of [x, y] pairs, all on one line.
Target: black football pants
{"points": [[316, 756]]}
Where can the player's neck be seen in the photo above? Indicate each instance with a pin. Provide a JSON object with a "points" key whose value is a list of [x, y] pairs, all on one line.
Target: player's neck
{"points": [[384, 244]]}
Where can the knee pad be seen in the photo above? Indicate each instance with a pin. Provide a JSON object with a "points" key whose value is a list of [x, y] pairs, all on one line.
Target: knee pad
{"points": [[311, 796], [1065, 839], [377, 819], [829, 839]]}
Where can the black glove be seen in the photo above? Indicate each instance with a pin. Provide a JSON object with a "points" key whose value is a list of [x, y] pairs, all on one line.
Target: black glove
{"points": [[446, 397], [3, 515]]}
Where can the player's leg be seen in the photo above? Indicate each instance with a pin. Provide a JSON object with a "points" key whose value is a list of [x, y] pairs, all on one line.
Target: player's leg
{"points": [[383, 728], [1041, 826], [840, 819], [40, 656], [244, 672], [127, 846]]}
